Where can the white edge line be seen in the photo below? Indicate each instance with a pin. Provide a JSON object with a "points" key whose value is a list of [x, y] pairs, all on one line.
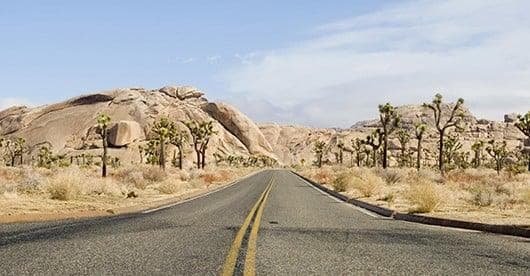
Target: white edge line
{"points": [[364, 211], [199, 196]]}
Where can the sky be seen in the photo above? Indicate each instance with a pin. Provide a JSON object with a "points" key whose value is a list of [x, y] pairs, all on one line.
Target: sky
{"points": [[315, 63]]}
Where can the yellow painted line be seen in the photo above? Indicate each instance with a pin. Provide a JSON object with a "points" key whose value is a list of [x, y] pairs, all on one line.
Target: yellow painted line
{"points": [[250, 260], [230, 263]]}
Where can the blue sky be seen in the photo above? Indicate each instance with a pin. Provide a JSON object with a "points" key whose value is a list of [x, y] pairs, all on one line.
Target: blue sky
{"points": [[319, 63]]}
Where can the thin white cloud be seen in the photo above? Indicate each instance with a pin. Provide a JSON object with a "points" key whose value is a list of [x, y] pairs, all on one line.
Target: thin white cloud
{"points": [[402, 53], [213, 59]]}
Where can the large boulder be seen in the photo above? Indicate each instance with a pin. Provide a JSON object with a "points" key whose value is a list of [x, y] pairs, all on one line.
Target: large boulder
{"points": [[124, 133], [240, 126], [182, 92]]}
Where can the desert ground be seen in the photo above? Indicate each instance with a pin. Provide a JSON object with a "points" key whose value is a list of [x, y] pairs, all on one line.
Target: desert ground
{"points": [[476, 195], [28, 193]]}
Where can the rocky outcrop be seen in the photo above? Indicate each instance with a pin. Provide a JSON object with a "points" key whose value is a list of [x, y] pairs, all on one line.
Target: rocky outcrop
{"points": [[182, 92], [125, 133], [68, 127], [293, 144], [240, 126]]}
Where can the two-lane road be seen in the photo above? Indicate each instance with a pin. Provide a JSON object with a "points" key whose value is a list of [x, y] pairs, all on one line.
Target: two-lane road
{"points": [[272, 223]]}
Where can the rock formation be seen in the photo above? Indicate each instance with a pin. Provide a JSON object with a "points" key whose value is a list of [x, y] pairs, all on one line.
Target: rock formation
{"points": [[69, 127]]}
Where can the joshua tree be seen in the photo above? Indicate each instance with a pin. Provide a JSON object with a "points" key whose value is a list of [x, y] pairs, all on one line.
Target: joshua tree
{"points": [[179, 140], [523, 124], [15, 148], [419, 132], [375, 141], [340, 145], [451, 148], [201, 134], [45, 157], [165, 130], [103, 124], [389, 121], [499, 153], [477, 148], [151, 152], [442, 126], [318, 149], [403, 137], [357, 145]]}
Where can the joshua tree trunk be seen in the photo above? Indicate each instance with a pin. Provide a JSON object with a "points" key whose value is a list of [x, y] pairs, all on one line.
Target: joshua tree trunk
{"points": [[203, 159], [104, 157], [374, 157], [180, 158], [162, 161], [198, 153], [418, 157], [440, 153], [319, 160], [385, 149]]}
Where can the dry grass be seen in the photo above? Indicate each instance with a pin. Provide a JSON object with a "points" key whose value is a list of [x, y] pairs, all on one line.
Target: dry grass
{"points": [[26, 189], [340, 184], [525, 196], [65, 185], [368, 184], [171, 186], [474, 194], [153, 174], [424, 196]]}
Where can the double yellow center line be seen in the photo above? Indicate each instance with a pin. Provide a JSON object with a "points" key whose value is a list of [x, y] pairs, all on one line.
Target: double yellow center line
{"points": [[250, 259]]}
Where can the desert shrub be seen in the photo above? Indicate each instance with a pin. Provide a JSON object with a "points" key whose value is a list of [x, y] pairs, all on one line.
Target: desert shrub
{"points": [[323, 176], [209, 178], [9, 173], [31, 182], [481, 196], [171, 186], [184, 175], [216, 176], [106, 187], [368, 184], [390, 176], [7, 187], [425, 174], [196, 183], [154, 174], [505, 201], [500, 188], [515, 169], [340, 183], [132, 177], [424, 195], [65, 185]]}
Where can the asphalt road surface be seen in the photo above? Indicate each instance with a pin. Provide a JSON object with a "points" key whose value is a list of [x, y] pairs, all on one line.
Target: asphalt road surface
{"points": [[272, 223]]}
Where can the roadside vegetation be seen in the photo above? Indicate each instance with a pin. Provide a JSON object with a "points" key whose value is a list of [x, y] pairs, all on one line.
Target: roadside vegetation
{"points": [[487, 183]]}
